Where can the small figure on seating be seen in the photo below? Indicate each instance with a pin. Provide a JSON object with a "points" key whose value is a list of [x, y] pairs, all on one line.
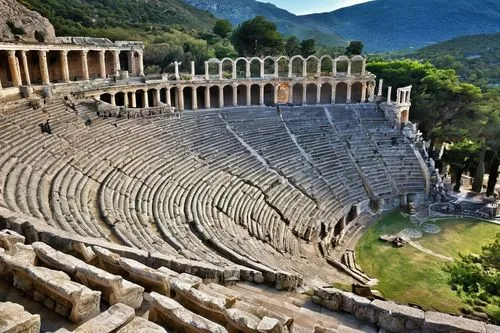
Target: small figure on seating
{"points": [[88, 121], [45, 127], [280, 112]]}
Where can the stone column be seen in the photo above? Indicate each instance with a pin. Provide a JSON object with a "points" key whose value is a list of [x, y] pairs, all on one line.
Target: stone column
{"points": [[318, 70], [380, 87], [371, 89], [130, 62], [389, 92], [276, 68], [318, 94], [145, 99], [235, 95], [261, 94], [262, 70], [334, 68], [194, 96], [85, 65], [64, 65], [44, 69], [304, 93], [113, 99], [102, 64], [133, 99], [290, 71], [349, 93], [14, 69], [116, 61], [304, 68], [290, 94], [141, 62], [334, 91], [349, 67], [26, 68], [157, 97], [168, 98], [221, 97], [193, 70], [363, 92], [207, 71], [234, 75], [249, 95], [180, 97], [207, 97], [176, 70], [275, 96], [221, 74], [247, 70], [125, 99], [363, 67]]}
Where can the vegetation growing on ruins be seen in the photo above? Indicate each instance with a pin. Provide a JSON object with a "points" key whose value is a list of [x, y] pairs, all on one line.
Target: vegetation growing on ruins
{"points": [[408, 275]]}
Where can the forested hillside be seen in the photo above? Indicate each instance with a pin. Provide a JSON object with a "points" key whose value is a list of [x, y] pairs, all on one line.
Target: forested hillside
{"points": [[120, 19]]}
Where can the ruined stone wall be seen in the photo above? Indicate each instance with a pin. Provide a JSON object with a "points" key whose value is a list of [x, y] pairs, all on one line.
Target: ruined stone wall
{"points": [[397, 318]]}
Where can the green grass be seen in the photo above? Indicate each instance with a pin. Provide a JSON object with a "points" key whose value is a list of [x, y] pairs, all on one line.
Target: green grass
{"points": [[407, 275]]}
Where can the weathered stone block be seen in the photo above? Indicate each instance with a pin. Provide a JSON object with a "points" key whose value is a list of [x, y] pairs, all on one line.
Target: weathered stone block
{"points": [[440, 322], [397, 318]]}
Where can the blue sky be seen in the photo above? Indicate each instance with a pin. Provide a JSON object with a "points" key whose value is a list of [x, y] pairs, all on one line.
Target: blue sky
{"points": [[301, 7]]}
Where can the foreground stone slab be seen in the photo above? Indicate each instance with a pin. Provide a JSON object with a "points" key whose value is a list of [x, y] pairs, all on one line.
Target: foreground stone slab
{"points": [[141, 325], [146, 276], [167, 311], [13, 319], [440, 322], [239, 320], [9, 237], [114, 288], [108, 321], [397, 318]]}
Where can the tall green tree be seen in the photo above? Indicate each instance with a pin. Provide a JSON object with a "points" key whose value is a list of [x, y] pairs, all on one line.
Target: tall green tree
{"points": [[292, 46], [223, 28], [355, 48], [257, 37], [307, 47]]}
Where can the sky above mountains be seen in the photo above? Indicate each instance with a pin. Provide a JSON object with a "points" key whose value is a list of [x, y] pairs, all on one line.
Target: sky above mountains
{"points": [[303, 7]]}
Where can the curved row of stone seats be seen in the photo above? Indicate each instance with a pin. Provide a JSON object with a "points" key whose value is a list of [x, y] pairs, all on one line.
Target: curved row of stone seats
{"points": [[118, 318], [114, 288], [52, 288], [14, 319]]}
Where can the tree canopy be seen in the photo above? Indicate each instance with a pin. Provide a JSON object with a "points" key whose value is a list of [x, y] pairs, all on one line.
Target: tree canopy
{"points": [[355, 48], [258, 37], [223, 28]]}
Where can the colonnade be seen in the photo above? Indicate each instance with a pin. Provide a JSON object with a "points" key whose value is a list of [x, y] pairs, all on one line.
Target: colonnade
{"points": [[203, 96], [45, 64]]}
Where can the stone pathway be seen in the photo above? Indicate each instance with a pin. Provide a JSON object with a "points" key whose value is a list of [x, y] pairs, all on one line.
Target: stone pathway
{"points": [[430, 252]]}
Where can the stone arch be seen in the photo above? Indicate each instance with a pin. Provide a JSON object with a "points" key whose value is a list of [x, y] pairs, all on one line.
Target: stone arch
{"points": [[357, 64], [213, 68], [255, 94], [268, 94], [312, 63], [241, 68], [283, 64], [174, 97], [311, 93], [342, 65], [227, 68], [326, 93], [200, 97], [124, 64], [297, 66], [93, 64], [242, 94], [33, 66], [163, 95], [326, 65], [105, 97], [187, 96], [356, 92], [298, 90], [405, 116], [269, 68], [151, 97], [341, 93], [130, 95], [255, 64], [5, 74], [214, 97], [120, 98], [228, 95]]}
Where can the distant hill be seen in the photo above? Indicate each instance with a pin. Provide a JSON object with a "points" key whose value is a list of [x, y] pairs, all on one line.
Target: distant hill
{"points": [[382, 25], [118, 19], [238, 11]]}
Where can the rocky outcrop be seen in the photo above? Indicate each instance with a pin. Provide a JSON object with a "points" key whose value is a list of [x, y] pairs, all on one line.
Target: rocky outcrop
{"points": [[17, 20], [393, 317]]}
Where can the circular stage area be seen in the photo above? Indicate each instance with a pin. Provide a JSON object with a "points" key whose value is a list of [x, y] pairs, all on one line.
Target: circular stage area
{"points": [[409, 275]]}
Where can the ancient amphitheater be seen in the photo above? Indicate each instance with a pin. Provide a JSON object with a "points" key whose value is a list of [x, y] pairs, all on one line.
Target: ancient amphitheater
{"points": [[185, 202]]}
